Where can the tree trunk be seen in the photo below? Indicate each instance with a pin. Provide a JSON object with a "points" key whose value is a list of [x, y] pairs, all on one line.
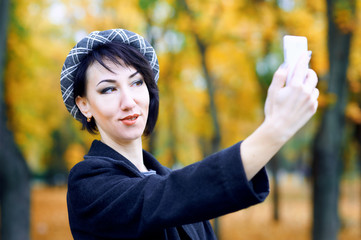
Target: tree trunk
{"points": [[328, 142], [216, 138], [202, 47], [215, 141], [14, 174], [358, 139]]}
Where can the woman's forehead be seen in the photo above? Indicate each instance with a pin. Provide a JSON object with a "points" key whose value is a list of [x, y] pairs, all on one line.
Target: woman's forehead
{"points": [[108, 68], [109, 65]]}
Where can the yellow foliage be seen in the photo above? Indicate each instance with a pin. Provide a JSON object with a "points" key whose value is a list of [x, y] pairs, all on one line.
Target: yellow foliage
{"points": [[74, 154], [316, 5], [235, 35], [298, 21], [354, 71], [326, 99], [353, 112], [355, 86]]}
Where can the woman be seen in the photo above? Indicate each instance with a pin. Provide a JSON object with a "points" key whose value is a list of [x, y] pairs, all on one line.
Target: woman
{"points": [[120, 191]]}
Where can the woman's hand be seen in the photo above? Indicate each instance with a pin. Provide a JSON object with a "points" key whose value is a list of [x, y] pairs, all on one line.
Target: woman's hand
{"points": [[287, 109]]}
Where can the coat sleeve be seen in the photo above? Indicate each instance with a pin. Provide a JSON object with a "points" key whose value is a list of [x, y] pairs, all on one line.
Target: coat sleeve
{"points": [[103, 200]]}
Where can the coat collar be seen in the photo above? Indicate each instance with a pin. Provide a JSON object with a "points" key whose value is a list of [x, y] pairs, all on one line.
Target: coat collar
{"points": [[100, 149]]}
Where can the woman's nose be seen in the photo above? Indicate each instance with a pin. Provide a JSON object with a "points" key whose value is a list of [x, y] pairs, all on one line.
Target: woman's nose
{"points": [[127, 100]]}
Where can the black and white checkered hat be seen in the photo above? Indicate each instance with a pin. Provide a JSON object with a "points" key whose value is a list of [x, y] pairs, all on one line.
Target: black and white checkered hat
{"points": [[86, 45]]}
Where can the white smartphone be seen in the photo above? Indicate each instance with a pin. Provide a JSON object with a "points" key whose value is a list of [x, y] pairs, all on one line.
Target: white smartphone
{"points": [[293, 48]]}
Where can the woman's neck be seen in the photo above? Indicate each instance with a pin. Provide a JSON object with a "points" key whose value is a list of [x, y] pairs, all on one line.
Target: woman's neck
{"points": [[131, 150]]}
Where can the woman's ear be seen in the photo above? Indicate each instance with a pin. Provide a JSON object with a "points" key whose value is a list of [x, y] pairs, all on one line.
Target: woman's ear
{"points": [[83, 106]]}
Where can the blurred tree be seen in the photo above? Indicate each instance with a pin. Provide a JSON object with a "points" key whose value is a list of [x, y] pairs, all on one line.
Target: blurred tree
{"points": [[56, 167], [147, 6], [202, 47], [269, 60], [14, 174], [353, 110], [170, 103], [328, 141]]}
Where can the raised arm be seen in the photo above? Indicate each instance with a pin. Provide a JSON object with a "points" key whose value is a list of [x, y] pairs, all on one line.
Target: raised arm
{"points": [[287, 109]]}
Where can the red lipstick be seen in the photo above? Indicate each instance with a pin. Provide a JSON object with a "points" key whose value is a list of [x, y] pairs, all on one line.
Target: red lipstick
{"points": [[130, 120]]}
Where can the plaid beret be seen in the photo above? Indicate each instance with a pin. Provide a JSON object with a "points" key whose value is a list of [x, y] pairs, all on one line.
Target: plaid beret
{"points": [[86, 45]]}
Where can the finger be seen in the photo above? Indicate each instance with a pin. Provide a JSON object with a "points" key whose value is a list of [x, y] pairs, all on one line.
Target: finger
{"points": [[314, 97], [310, 81], [315, 94], [301, 69], [279, 78]]}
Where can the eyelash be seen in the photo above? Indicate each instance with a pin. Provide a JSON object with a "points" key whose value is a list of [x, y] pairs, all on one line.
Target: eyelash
{"points": [[136, 83], [105, 90]]}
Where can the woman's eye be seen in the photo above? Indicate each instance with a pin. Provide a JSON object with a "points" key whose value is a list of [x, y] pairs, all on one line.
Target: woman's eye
{"points": [[138, 83], [108, 90]]}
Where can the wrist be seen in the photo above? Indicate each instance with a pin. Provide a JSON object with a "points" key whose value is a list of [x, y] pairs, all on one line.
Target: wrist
{"points": [[258, 148], [275, 131]]}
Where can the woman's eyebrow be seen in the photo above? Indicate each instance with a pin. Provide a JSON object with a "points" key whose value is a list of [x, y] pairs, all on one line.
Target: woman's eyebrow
{"points": [[106, 80], [113, 81], [133, 74]]}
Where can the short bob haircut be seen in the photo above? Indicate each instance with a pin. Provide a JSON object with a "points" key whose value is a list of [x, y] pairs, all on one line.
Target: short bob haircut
{"points": [[131, 57]]}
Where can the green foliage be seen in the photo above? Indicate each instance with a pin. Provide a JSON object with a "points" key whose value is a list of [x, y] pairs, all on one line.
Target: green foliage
{"points": [[147, 4]]}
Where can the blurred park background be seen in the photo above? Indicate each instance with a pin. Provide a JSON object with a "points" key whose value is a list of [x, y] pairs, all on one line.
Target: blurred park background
{"points": [[217, 58]]}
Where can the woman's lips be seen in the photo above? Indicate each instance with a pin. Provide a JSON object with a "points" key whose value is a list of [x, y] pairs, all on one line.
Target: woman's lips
{"points": [[130, 120]]}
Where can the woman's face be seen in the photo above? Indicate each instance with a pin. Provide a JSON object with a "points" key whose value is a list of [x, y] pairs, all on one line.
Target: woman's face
{"points": [[118, 101]]}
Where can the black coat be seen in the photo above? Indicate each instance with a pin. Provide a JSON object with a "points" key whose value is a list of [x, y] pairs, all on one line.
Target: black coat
{"points": [[109, 198]]}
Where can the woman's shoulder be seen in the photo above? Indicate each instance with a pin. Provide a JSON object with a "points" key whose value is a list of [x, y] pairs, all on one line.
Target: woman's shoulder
{"points": [[98, 164]]}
